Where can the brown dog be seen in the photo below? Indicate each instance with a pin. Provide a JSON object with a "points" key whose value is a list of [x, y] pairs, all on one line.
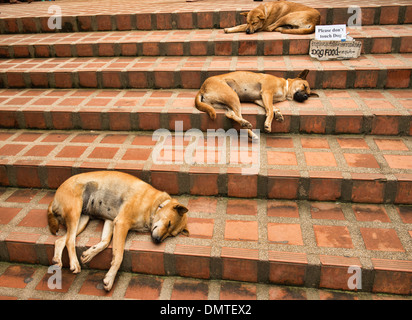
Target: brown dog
{"points": [[228, 90], [281, 16], [124, 202]]}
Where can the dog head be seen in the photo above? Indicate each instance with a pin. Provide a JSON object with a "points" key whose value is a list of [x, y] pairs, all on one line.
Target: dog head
{"points": [[169, 220], [299, 88], [254, 20]]}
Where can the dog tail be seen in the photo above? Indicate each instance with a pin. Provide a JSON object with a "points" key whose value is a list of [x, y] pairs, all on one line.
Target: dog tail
{"points": [[200, 105], [54, 223]]}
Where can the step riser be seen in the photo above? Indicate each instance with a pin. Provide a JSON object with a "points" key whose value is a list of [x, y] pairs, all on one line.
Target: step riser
{"points": [[190, 20], [348, 123], [391, 78], [293, 272], [195, 48], [318, 186]]}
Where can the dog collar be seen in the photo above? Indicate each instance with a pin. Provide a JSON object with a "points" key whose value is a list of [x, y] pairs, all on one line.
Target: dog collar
{"points": [[163, 204], [157, 209]]}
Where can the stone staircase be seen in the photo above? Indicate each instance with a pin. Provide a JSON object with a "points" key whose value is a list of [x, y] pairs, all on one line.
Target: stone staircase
{"points": [[333, 185]]}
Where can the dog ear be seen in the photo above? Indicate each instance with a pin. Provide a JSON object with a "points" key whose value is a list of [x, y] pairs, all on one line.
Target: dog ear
{"points": [[185, 232], [181, 210], [313, 94], [303, 74], [244, 13], [261, 16]]}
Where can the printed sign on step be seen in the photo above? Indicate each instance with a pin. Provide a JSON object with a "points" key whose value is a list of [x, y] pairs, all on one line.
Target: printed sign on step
{"points": [[335, 32]]}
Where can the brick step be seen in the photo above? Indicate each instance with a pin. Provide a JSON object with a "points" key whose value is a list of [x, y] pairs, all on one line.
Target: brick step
{"points": [[375, 39], [378, 112], [369, 71], [165, 15], [299, 243], [356, 168]]}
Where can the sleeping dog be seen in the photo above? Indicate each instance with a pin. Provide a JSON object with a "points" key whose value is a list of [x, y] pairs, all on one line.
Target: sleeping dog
{"points": [[124, 202], [230, 89]]}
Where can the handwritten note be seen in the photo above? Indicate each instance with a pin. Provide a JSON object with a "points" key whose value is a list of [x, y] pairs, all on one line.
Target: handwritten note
{"points": [[335, 50]]}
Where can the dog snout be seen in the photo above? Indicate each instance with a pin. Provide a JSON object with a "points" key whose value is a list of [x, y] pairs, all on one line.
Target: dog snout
{"points": [[156, 239], [249, 31], [155, 235], [300, 96]]}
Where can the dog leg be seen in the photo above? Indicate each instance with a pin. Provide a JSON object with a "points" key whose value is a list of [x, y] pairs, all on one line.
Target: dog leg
{"points": [[299, 24], [252, 135], [120, 231], [271, 111], [72, 223], [239, 28], [238, 118], [285, 20], [61, 242], [106, 238], [267, 99]]}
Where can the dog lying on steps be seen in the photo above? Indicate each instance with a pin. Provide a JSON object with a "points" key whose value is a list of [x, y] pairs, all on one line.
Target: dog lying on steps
{"points": [[124, 202], [230, 89], [282, 16]]}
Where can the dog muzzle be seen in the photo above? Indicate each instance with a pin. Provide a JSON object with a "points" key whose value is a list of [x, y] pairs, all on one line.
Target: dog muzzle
{"points": [[300, 96]]}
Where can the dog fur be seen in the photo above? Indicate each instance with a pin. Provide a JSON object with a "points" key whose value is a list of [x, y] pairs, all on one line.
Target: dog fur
{"points": [[282, 16], [124, 202], [230, 89]]}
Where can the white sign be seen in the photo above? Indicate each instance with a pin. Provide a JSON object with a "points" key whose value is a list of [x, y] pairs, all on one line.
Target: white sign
{"points": [[335, 32]]}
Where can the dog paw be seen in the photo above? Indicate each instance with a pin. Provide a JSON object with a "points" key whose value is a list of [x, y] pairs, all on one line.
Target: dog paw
{"points": [[225, 30], [75, 267], [278, 117], [86, 257], [268, 128], [212, 115], [246, 125], [56, 261], [108, 282]]}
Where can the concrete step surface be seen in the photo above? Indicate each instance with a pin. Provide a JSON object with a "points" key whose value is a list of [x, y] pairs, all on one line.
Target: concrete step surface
{"points": [[169, 14], [299, 243], [328, 192], [389, 71], [349, 168], [205, 42], [378, 112]]}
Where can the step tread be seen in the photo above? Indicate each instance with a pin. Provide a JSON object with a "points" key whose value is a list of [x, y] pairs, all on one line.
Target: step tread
{"points": [[252, 63], [316, 167], [307, 241], [341, 111], [180, 42], [368, 71], [97, 7]]}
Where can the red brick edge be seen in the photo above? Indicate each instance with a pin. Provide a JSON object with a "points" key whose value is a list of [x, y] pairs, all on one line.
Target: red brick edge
{"points": [[286, 268]]}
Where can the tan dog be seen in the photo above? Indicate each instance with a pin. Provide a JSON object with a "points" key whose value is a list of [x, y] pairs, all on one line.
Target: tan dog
{"points": [[281, 16], [124, 202], [228, 90]]}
